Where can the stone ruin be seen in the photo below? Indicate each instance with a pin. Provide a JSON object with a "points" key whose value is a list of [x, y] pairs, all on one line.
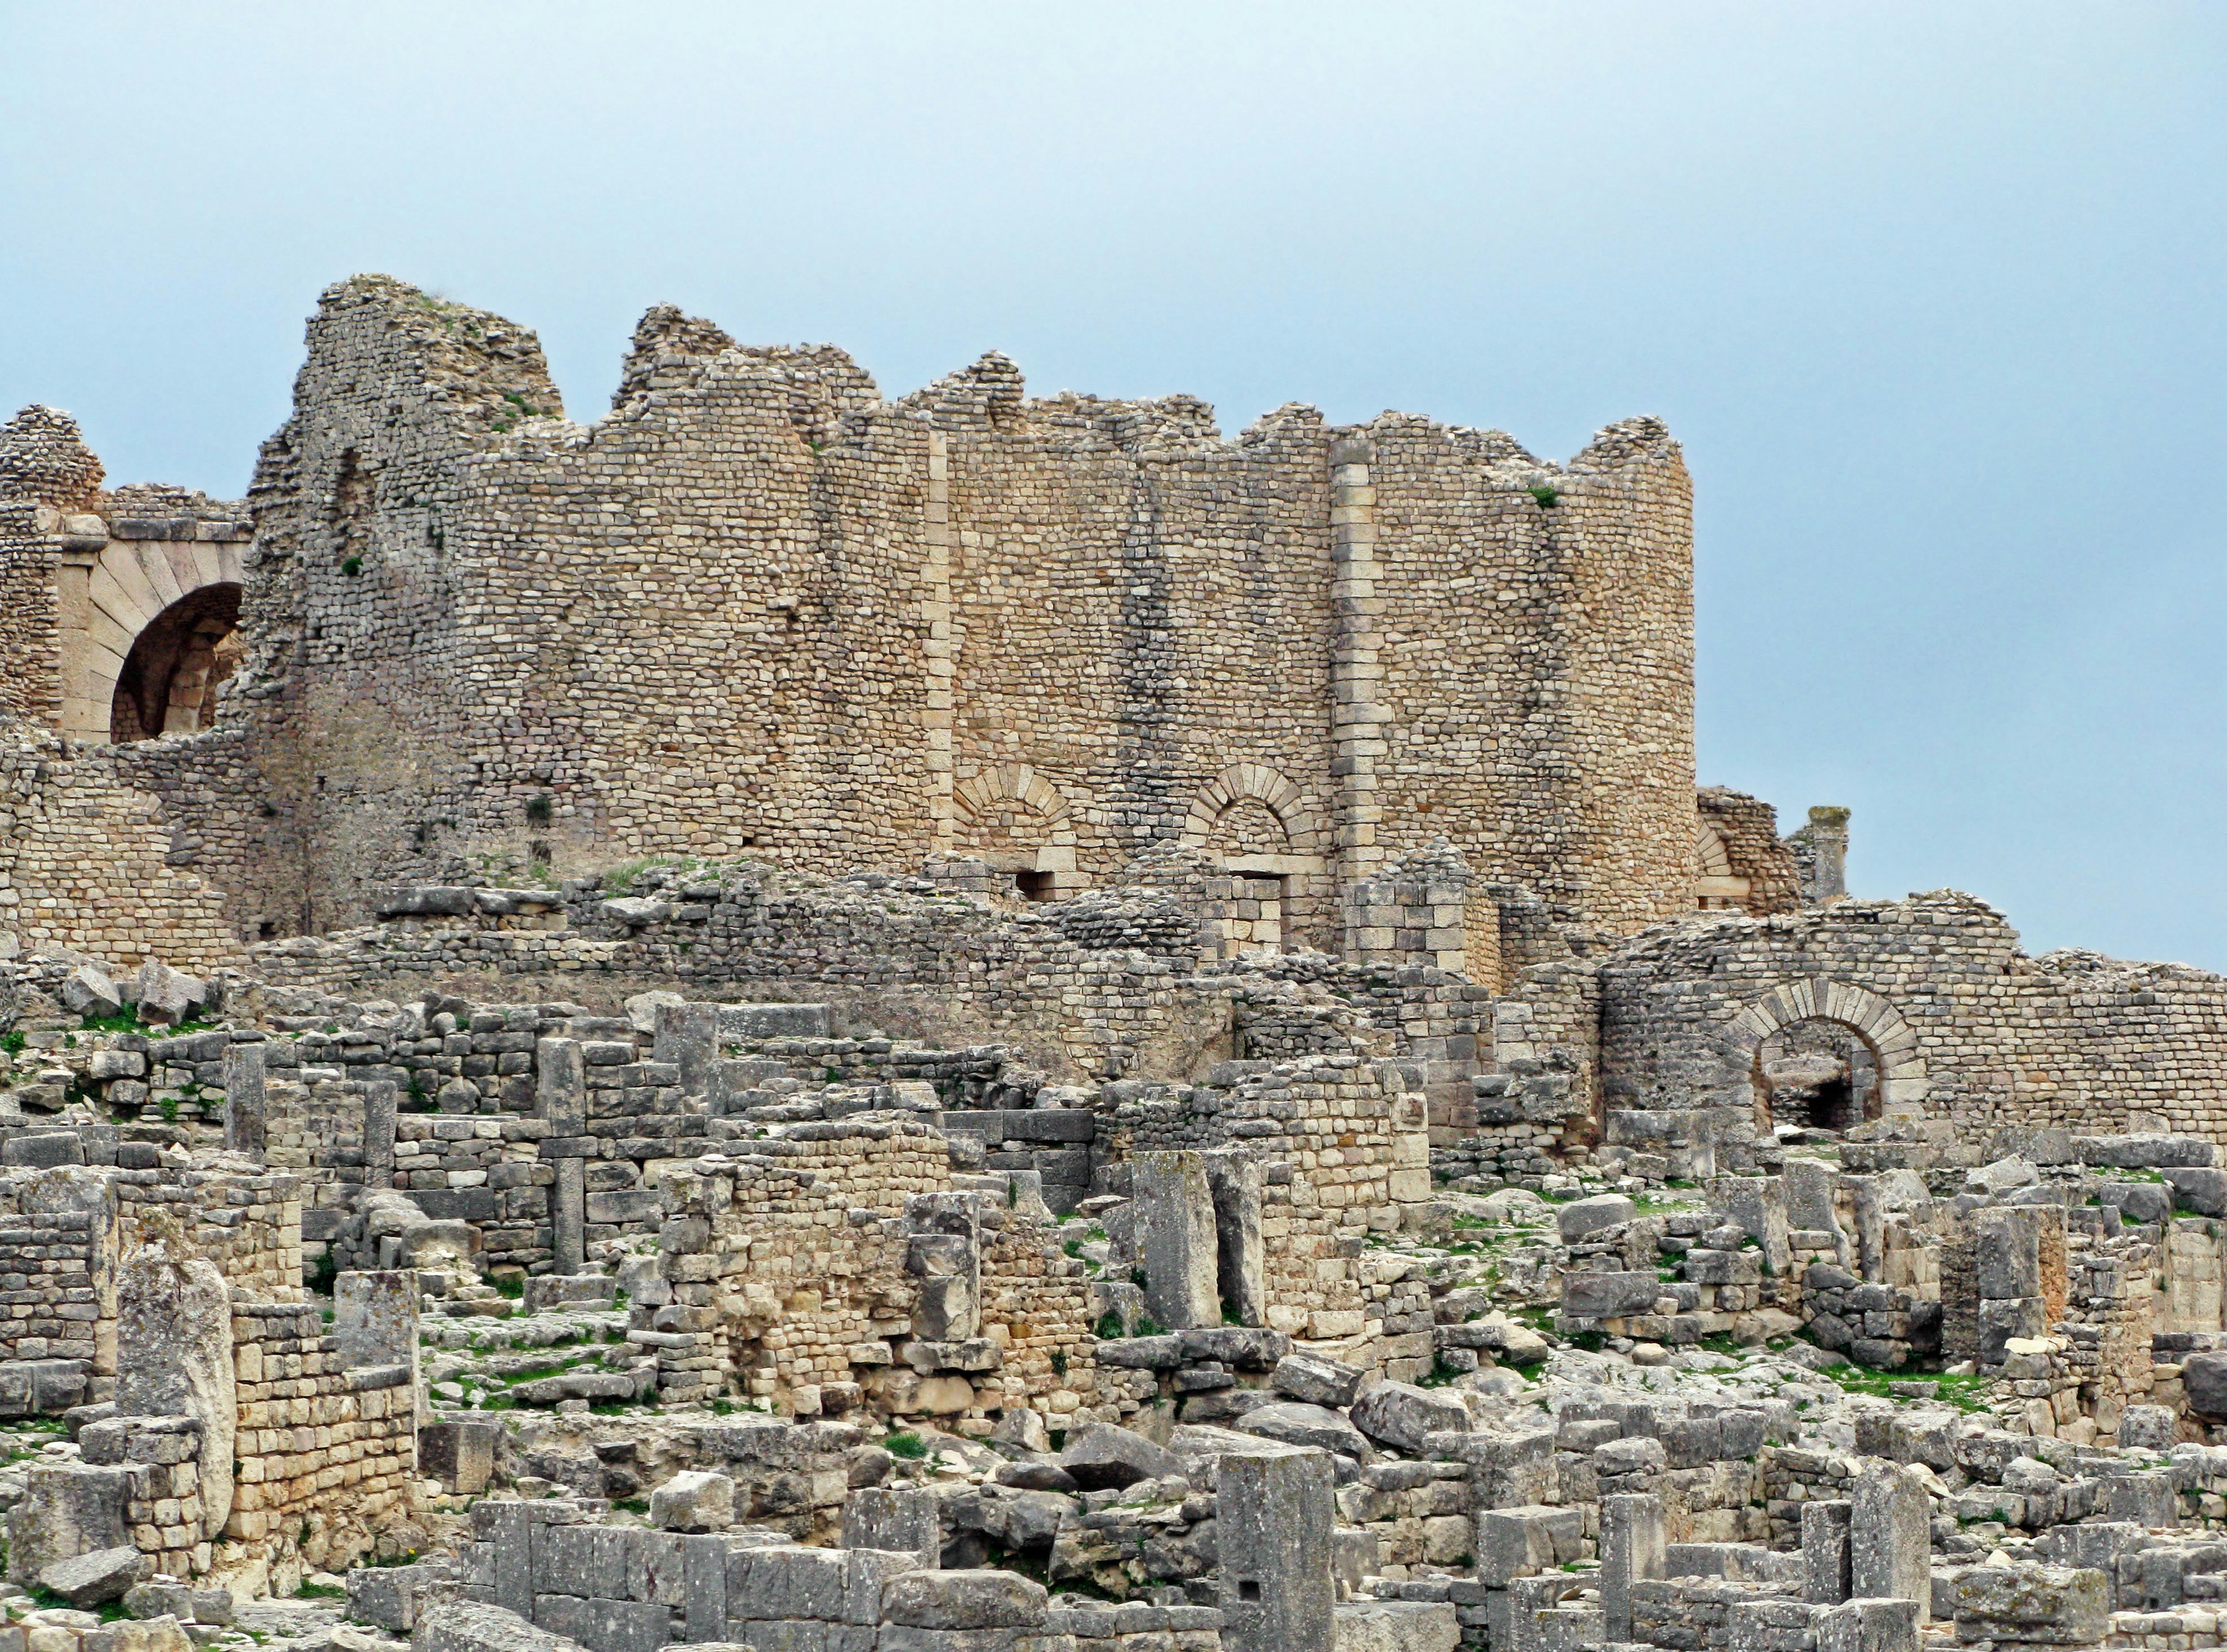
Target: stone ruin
{"points": [[784, 1022]]}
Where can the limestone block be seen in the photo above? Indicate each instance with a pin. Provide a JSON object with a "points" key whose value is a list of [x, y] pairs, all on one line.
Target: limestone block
{"points": [[1273, 1540], [67, 1509], [1583, 1216], [2051, 1605], [1609, 1296], [88, 1580], [1317, 1379], [1403, 1415], [1890, 1537], [1291, 1422], [963, 1600], [1099, 1456], [694, 1500], [1175, 1202], [174, 1359], [1395, 1626]]}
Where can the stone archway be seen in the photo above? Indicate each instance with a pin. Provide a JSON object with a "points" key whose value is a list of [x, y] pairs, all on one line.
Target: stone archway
{"points": [[1244, 789], [170, 679], [171, 592], [1267, 838], [1901, 1081], [1018, 821]]}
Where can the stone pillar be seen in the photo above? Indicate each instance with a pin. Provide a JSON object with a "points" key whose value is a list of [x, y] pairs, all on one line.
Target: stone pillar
{"points": [[568, 1216], [246, 1124], [904, 1519], [688, 1037], [1357, 713], [1820, 856], [945, 1254], [1237, 1179], [561, 1098], [375, 1319], [380, 1100], [174, 1359], [1825, 1552], [1890, 1538], [1175, 1205], [1757, 1204], [1633, 1546], [1274, 1535]]}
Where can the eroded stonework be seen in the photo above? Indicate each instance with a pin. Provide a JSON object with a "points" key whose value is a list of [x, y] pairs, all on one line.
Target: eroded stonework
{"points": [[982, 1025]]}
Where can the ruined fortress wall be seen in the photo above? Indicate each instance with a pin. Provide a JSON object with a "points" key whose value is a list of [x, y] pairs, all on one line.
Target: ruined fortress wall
{"points": [[1995, 1038], [757, 608], [91, 859], [1539, 663]]}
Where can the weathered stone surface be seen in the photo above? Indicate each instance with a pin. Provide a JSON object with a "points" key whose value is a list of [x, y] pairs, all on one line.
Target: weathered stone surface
{"points": [[1291, 1422], [174, 1359], [962, 1600], [1317, 1380], [1395, 1626], [1099, 1456], [1583, 1216], [2051, 1605], [695, 1500], [1403, 1415], [87, 1580], [2204, 1380], [1609, 1296]]}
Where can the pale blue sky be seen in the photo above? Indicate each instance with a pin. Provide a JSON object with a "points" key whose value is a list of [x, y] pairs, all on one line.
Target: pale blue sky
{"points": [[1932, 293]]}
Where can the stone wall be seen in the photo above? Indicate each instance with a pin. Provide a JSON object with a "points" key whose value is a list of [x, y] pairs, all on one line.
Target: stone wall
{"points": [[1045, 634], [1971, 1029]]}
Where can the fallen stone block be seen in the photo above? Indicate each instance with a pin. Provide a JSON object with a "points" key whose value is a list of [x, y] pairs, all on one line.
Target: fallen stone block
{"points": [[1099, 1457], [1403, 1415], [2053, 1605], [1316, 1380], [1293, 1423], [89, 1580], [1583, 1216], [695, 1500]]}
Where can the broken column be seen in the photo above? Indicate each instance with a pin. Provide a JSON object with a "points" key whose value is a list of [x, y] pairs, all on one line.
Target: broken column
{"points": [[1273, 1535], [1633, 1546], [944, 1253], [1236, 1179], [375, 1320], [246, 1121], [1890, 1537], [1175, 1210], [688, 1037], [1825, 1552], [561, 1098], [173, 1358]]}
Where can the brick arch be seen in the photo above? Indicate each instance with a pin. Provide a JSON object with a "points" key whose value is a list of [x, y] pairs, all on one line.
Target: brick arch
{"points": [[1248, 783], [117, 594], [988, 807], [1903, 1084]]}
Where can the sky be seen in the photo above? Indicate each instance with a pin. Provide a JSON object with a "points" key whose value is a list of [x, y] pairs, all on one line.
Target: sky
{"points": [[1932, 295]]}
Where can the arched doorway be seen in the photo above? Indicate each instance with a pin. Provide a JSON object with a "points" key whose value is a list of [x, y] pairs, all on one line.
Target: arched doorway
{"points": [[1268, 839], [1856, 1016], [1018, 821], [1817, 1074], [169, 680]]}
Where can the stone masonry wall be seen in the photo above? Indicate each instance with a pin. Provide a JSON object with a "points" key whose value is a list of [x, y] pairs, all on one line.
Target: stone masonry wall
{"points": [[2069, 1039]]}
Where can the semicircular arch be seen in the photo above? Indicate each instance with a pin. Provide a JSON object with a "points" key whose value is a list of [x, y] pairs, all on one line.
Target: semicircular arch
{"points": [[128, 589], [1245, 786], [1903, 1084]]}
